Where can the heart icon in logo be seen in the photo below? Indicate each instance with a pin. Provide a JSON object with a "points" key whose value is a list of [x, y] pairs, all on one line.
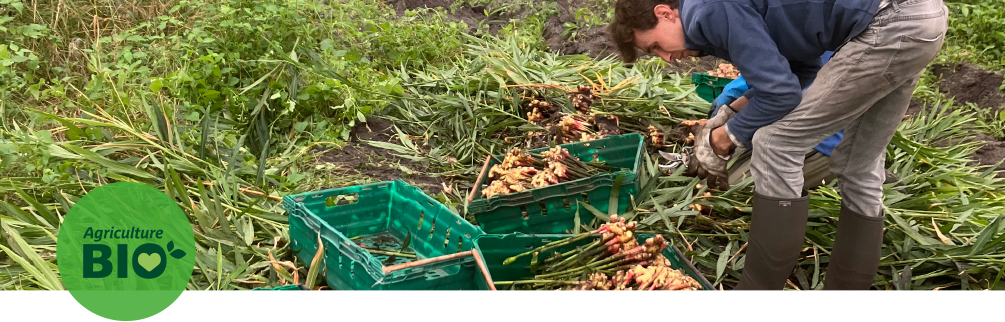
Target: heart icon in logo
{"points": [[149, 261]]}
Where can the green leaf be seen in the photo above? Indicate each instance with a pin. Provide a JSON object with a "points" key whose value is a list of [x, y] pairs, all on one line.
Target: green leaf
{"points": [[576, 221], [312, 273], [390, 146], [595, 212], [404, 139], [408, 241], [157, 84], [327, 44], [612, 206], [998, 279], [111, 165], [720, 266], [38, 267], [219, 265], [194, 116], [816, 268], [986, 234], [295, 177], [913, 233], [43, 211]]}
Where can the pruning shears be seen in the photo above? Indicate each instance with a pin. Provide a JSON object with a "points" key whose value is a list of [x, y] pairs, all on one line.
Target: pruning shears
{"points": [[675, 160]]}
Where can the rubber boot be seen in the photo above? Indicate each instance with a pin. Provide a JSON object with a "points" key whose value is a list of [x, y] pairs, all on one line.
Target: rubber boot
{"points": [[855, 256], [777, 232]]}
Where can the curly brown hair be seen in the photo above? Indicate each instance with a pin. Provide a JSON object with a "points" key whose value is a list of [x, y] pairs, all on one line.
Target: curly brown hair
{"points": [[631, 15]]}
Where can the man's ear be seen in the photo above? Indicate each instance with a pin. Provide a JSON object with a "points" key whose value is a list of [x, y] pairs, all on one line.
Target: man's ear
{"points": [[664, 12]]}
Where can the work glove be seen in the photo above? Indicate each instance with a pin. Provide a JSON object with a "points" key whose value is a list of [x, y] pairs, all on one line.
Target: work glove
{"points": [[705, 163]]}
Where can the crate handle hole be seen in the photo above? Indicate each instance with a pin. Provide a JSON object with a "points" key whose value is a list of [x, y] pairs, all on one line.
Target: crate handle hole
{"points": [[446, 239], [528, 247], [432, 227], [341, 200], [546, 240]]}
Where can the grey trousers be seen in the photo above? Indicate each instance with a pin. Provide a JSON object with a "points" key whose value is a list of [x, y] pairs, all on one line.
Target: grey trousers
{"points": [[865, 89], [816, 169]]}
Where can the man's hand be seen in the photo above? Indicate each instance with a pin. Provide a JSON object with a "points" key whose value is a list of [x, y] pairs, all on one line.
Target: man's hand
{"points": [[706, 163], [721, 144]]}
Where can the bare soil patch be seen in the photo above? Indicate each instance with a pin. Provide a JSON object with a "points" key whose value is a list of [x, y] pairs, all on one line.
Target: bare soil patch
{"points": [[362, 159], [968, 83]]}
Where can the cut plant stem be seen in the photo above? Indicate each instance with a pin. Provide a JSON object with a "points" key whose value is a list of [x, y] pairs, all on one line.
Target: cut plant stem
{"points": [[551, 245], [586, 251], [563, 256], [503, 283], [595, 265], [389, 253]]}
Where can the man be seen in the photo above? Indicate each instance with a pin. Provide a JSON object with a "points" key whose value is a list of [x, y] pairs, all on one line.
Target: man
{"points": [[881, 47], [815, 167]]}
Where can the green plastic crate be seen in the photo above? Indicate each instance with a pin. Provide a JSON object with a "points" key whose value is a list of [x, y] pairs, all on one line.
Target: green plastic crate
{"points": [[709, 87], [552, 209], [385, 213], [494, 249], [283, 288]]}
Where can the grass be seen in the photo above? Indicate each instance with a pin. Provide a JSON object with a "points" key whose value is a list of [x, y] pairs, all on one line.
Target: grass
{"points": [[226, 116]]}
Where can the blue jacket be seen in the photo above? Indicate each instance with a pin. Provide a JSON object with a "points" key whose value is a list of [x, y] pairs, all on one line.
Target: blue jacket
{"points": [[775, 44], [738, 86]]}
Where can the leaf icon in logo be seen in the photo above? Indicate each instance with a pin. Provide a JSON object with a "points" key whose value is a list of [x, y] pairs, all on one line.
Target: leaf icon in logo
{"points": [[178, 254], [171, 246]]}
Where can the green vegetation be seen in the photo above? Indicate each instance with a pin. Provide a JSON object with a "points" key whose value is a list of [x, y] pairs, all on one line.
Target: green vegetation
{"points": [[227, 106], [975, 34]]}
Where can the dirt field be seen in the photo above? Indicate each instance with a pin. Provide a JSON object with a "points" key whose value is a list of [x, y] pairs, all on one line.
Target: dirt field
{"points": [[361, 159], [967, 83]]}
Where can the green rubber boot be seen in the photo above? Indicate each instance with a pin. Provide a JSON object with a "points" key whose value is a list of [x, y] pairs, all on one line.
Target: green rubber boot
{"points": [[777, 232], [855, 257]]}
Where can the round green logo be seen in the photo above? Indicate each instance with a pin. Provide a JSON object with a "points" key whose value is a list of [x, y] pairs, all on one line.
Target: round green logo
{"points": [[125, 251]]}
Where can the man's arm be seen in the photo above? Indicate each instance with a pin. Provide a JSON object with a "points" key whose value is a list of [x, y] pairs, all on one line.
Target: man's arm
{"points": [[739, 29]]}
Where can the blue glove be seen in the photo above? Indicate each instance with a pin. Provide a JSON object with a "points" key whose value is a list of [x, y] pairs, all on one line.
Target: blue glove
{"points": [[730, 93]]}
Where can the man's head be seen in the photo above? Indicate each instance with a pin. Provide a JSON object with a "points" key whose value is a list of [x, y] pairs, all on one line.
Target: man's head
{"points": [[653, 26]]}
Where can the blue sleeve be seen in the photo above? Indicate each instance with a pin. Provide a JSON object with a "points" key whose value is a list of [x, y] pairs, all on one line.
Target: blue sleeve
{"points": [[740, 30]]}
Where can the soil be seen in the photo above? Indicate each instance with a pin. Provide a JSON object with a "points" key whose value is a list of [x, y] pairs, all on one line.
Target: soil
{"points": [[971, 84], [991, 153], [471, 16], [376, 164], [967, 83]]}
